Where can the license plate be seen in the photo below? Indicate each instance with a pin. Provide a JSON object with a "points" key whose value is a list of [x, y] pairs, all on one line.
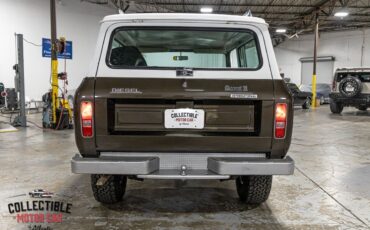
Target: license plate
{"points": [[184, 119]]}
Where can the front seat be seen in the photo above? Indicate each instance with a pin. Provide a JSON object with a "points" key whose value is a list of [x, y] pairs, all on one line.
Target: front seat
{"points": [[127, 56]]}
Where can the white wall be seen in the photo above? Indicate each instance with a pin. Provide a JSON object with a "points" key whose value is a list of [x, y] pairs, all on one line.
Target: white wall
{"points": [[77, 21], [345, 46]]}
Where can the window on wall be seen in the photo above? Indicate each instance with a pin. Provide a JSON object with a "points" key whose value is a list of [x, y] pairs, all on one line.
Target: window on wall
{"points": [[189, 47]]}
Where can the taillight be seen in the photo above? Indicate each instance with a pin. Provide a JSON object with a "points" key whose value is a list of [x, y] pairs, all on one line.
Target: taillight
{"points": [[334, 85], [280, 120], [87, 118]]}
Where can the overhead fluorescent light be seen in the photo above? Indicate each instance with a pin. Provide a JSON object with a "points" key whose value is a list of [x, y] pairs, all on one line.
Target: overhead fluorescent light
{"points": [[341, 14], [206, 10], [280, 30]]}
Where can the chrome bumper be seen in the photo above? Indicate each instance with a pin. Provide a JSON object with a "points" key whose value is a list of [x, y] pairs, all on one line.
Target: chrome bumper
{"points": [[149, 167]]}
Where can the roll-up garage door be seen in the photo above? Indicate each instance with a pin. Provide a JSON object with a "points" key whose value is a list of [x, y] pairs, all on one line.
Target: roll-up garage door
{"points": [[324, 70]]}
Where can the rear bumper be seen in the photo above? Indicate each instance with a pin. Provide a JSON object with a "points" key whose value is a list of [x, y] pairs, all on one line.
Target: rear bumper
{"points": [[149, 167], [361, 99]]}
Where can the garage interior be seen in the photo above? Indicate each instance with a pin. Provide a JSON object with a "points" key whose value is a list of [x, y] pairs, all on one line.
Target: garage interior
{"points": [[330, 188]]}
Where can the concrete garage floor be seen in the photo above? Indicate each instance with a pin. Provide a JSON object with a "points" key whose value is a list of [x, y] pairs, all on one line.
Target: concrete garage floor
{"points": [[330, 188]]}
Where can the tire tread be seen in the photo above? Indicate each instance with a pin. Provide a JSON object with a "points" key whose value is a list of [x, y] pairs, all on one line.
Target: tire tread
{"points": [[112, 191], [254, 189]]}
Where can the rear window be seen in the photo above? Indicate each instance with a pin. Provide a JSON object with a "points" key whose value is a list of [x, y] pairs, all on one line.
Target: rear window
{"points": [[183, 48], [363, 76]]}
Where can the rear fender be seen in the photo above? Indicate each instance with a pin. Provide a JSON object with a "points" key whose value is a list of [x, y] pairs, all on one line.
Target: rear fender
{"points": [[280, 147], [85, 92]]}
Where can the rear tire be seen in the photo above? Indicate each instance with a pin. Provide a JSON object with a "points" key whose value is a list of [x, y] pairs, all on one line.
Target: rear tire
{"points": [[253, 189], [112, 191], [336, 107]]}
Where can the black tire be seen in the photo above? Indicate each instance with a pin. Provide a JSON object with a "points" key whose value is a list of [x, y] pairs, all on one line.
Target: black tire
{"points": [[253, 189], [351, 82], [112, 191], [362, 107], [336, 107], [307, 104]]}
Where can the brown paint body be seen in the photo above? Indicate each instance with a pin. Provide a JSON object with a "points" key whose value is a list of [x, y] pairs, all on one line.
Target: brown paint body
{"points": [[133, 120]]}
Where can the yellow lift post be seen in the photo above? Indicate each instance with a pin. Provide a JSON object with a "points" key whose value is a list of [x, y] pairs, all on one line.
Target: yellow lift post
{"points": [[56, 103], [313, 102]]}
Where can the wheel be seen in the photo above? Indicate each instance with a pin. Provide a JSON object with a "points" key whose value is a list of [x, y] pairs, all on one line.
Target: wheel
{"points": [[111, 191], [307, 104], [336, 107], [253, 189], [362, 107], [350, 86]]}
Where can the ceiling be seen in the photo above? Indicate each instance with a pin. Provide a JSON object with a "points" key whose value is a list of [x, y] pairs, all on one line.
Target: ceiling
{"points": [[297, 16]]}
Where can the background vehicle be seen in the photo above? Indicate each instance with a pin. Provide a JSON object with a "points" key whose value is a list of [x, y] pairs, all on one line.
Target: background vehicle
{"points": [[322, 91], [183, 96], [351, 87], [300, 98]]}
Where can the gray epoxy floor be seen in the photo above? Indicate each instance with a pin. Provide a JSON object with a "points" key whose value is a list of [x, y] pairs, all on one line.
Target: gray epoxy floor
{"points": [[330, 188]]}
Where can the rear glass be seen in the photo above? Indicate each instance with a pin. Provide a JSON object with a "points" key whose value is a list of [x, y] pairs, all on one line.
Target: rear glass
{"points": [[190, 48], [363, 76]]}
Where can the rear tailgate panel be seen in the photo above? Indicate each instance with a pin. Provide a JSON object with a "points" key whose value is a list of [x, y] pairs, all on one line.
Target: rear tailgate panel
{"points": [[148, 115], [130, 114]]}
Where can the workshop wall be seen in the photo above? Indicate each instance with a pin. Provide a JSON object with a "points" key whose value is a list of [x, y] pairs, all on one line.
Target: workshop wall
{"points": [[350, 49], [77, 21]]}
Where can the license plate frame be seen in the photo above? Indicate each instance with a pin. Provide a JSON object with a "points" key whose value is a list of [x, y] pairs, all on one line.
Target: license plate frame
{"points": [[184, 118]]}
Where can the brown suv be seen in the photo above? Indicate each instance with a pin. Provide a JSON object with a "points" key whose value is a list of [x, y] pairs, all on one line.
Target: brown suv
{"points": [[183, 96]]}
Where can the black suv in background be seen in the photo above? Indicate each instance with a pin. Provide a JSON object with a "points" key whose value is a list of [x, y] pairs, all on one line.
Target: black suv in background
{"points": [[351, 87], [301, 98]]}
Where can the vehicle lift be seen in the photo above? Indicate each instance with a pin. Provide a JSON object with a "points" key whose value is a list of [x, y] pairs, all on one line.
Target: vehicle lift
{"points": [[20, 119], [57, 113]]}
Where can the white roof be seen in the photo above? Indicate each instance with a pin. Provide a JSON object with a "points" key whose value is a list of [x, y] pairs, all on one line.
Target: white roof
{"points": [[184, 16]]}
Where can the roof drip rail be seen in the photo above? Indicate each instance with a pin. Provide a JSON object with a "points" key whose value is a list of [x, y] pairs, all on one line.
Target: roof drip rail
{"points": [[248, 13]]}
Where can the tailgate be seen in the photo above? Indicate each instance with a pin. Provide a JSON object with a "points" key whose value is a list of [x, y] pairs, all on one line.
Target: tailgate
{"points": [[130, 115], [136, 115]]}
